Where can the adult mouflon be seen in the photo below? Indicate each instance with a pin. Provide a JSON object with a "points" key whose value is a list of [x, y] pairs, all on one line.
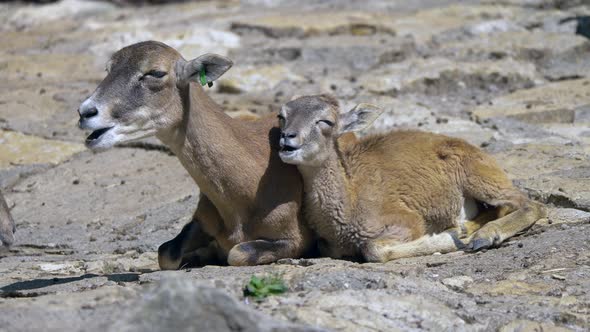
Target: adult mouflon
{"points": [[398, 194], [249, 210]]}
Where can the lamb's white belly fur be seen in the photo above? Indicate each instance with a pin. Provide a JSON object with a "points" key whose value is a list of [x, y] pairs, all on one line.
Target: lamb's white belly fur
{"points": [[468, 211]]}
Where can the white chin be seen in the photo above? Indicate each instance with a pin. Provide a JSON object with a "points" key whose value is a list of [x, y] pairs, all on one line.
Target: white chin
{"points": [[291, 157], [111, 138], [105, 141]]}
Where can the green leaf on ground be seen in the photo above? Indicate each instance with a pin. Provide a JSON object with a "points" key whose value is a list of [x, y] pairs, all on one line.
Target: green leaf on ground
{"points": [[260, 288]]}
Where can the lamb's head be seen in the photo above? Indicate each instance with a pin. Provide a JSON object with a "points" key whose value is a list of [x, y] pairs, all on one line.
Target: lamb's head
{"points": [[311, 125], [141, 93]]}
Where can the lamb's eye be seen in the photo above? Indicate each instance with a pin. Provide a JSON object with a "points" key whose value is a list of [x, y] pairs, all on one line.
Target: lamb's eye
{"points": [[326, 122], [155, 73]]}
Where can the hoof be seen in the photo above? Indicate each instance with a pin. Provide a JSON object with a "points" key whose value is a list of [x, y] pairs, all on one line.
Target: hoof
{"points": [[458, 243], [243, 254], [478, 244], [168, 259]]}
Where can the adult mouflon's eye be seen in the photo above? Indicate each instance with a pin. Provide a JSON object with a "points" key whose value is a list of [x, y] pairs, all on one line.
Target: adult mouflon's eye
{"points": [[281, 119], [326, 122], [155, 73]]}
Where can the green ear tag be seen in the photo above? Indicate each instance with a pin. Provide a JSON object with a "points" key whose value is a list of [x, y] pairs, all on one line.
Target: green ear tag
{"points": [[203, 77]]}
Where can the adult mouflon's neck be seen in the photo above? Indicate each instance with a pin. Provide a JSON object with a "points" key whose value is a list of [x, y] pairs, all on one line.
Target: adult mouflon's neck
{"points": [[326, 190], [206, 142]]}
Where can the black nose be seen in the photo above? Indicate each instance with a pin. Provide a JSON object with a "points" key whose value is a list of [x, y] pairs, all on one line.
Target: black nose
{"points": [[87, 113], [288, 135]]}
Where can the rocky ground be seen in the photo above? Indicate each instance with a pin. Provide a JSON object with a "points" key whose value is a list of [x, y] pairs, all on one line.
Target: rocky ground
{"points": [[505, 75]]}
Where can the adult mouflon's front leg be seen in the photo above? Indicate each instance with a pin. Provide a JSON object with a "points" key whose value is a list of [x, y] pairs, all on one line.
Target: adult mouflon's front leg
{"points": [[192, 246], [261, 245], [263, 252]]}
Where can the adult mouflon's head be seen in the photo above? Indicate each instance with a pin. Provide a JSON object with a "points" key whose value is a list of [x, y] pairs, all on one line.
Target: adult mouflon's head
{"points": [[310, 126], [141, 93]]}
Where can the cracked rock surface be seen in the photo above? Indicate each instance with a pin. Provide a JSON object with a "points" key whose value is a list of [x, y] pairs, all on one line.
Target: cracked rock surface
{"points": [[504, 75]]}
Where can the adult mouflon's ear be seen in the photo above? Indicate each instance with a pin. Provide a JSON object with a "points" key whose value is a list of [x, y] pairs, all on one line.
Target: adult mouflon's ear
{"points": [[359, 118], [204, 69]]}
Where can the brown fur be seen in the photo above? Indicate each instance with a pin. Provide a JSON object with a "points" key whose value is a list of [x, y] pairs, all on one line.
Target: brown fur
{"points": [[250, 201], [398, 194], [254, 195]]}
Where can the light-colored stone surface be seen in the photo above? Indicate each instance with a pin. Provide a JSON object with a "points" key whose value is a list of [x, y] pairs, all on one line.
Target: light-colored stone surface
{"points": [[49, 67], [526, 160], [31, 15], [457, 283], [316, 23], [557, 176], [89, 224], [210, 310], [426, 24], [147, 194], [378, 310], [440, 75], [565, 215], [256, 79], [408, 113], [569, 188], [530, 326], [561, 102], [525, 45], [20, 149]]}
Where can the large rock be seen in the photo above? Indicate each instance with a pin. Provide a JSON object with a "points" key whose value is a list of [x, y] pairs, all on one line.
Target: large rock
{"points": [[377, 310], [174, 304], [421, 26], [180, 304], [528, 160], [566, 215], [310, 24], [550, 173], [426, 24], [540, 47], [561, 102], [410, 113], [340, 54], [568, 188], [440, 75]]}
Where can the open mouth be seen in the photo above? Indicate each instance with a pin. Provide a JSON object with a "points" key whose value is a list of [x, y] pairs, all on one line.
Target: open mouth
{"points": [[97, 133], [288, 148]]}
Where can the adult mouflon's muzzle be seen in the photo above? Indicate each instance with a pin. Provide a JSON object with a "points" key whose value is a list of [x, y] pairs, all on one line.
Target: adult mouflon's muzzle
{"points": [[91, 118]]}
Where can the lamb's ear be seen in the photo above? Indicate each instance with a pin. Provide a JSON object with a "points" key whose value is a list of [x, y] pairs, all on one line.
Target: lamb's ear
{"points": [[359, 118], [204, 69]]}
